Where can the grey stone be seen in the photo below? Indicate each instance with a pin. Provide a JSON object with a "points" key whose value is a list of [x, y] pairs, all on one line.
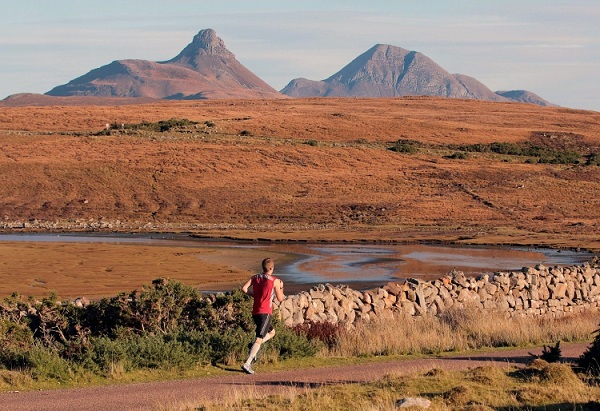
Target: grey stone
{"points": [[413, 402]]}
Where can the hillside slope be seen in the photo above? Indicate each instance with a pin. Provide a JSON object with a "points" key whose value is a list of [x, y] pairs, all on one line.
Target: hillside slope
{"points": [[322, 168]]}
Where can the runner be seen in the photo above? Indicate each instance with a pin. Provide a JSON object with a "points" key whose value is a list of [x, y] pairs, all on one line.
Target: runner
{"points": [[265, 287]]}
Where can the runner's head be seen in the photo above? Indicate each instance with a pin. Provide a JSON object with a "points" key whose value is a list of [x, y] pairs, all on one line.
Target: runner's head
{"points": [[268, 265]]}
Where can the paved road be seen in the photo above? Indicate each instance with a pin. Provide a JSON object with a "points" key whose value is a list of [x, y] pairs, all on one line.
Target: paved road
{"points": [[152, 396]]}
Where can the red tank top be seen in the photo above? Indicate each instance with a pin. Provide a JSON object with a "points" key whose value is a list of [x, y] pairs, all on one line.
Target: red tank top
{"points": [[263, 290]]}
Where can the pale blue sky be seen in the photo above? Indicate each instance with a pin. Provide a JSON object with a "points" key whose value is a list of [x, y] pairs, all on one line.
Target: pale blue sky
{"points": [[549, 47]]}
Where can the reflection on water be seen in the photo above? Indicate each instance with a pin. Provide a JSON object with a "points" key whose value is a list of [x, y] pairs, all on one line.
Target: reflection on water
{"points": [[376, 264], [359, 265]]}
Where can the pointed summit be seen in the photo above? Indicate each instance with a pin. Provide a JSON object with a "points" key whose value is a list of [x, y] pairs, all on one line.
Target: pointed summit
{"points": [[203, 69], [205, 43], [390, 71], [207, 38]]}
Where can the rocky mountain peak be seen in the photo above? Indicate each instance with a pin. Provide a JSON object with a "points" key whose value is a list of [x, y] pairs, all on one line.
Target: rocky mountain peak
{"points": [[203, 69], [390, 71], [206, 42]]}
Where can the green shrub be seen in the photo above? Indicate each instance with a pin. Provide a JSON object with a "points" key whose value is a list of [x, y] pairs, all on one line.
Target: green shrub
{"points": [[228, 345], [458, 156], [198, 344], [162, 307], [167, 324], [166, 125], [45, 363], [506, 148], [551, 354], [560, 157], [156, 351], [104, 353], [405, 146], [14, 336], [16, 340], [144, 351], [541, 154], [589, 361], [592, 159], [160, 126], [472, 148], [289, 344], [158, 308]]}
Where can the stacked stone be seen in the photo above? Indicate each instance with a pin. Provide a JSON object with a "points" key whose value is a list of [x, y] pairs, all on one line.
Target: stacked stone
{"points": [[533, 291]]}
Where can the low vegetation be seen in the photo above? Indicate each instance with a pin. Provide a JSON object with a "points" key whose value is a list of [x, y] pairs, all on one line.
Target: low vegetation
{"points": [[168, 327], [544, 384], [161, 126], [406, 146], [530, 152], [538, 386], [165, 326], [536, 151]]}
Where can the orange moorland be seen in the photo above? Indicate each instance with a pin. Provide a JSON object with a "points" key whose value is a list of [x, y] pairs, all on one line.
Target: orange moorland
{"points": [[405, 169]]}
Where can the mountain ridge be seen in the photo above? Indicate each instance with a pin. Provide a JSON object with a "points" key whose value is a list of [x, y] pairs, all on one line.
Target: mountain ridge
{"points": [[206, 69], [203, 69], [390, 71]]}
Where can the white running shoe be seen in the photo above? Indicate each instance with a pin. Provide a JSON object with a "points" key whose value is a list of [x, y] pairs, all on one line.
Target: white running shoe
{"points": [[247, 368]]}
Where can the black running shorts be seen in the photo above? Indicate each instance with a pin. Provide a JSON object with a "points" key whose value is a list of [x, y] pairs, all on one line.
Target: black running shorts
{"points": [[263, 324]]}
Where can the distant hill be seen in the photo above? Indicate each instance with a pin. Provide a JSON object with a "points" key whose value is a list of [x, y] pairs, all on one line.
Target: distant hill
{"points": [[34, 99], [390, 71], [524, 96], [204, 69]]}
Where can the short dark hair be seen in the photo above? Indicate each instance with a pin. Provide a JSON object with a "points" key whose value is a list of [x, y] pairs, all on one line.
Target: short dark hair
{"points": [[268, 264]]}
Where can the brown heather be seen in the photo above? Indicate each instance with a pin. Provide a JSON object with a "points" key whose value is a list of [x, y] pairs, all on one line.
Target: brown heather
{"points": [[343, 185], [306, 169], [270, 183]]}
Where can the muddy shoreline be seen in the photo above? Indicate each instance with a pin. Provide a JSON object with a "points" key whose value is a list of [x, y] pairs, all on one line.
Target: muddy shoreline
{"points": [[71, 266], [345, 235]]}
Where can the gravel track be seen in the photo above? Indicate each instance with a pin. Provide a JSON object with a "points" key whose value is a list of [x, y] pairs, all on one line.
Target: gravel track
{"points": [[160, 395]]}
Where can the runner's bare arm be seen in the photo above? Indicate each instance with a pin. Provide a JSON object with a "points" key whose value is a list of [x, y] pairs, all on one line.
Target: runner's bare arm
{"points": [[246, 287], [279, 290]]}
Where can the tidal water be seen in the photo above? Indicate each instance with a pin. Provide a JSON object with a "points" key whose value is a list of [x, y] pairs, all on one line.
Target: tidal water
{"points": [[360, 266]]}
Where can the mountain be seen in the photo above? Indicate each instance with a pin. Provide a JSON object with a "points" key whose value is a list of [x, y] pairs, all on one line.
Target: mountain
{"points": [[390, 71], [35, 99], [206, 69], [203, 69], [524, 96]]}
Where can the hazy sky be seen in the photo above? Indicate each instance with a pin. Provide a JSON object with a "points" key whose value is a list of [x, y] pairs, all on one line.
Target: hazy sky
{"points": [[549, 47]]}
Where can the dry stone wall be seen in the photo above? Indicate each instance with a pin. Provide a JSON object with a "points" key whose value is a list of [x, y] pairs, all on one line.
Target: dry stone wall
{"points": [[533, 291]]}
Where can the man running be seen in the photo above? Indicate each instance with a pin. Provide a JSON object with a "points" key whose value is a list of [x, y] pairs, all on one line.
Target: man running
{"points": [[264, 288]]}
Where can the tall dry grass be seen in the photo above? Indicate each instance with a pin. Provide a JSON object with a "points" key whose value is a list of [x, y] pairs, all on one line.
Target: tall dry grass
{"points": [[540, 385], [458, 330]]}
